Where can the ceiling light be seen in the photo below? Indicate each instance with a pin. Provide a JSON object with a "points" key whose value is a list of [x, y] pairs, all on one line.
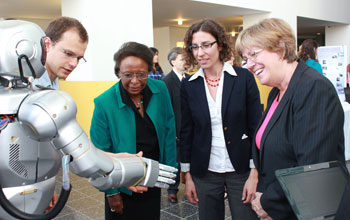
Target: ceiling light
{"points": [[233, 34], [179, 22]]}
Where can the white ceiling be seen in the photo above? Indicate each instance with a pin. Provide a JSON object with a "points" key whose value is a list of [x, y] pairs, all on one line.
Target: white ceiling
{"points": [[165, 13]]}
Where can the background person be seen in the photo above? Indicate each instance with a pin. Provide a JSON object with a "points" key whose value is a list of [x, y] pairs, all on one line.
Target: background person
{"points": [[308, 53], [157, 71], [220, 110], [173, 82], [135, 115], [66, 41], [303, 122]]}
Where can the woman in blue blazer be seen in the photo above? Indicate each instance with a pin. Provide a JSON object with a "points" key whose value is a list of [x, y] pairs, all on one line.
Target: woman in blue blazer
{"points": [[220, 107], [303, 122]]}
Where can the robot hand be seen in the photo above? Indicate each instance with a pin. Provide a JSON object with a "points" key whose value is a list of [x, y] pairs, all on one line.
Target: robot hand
{"points": [[158, 175], [133, 171]]}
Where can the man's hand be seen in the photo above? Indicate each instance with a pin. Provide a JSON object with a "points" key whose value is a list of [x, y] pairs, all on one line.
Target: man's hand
{"points": [[53, 202]]}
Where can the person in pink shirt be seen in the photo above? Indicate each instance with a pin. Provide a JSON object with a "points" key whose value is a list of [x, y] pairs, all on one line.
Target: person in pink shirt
{"points": [[303, 122]]}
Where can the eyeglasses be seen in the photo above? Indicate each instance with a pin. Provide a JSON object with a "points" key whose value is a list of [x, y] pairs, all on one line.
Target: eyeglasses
{"points": [[70, 55], [130, 76], [252, 56], [204, 46]]}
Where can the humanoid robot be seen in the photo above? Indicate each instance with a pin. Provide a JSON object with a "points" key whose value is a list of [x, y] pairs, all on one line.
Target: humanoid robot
{"points": [[38, 128]]}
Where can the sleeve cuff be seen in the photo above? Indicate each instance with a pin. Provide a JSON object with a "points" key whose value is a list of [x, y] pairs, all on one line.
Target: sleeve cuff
{"points": [[251, 163], [185, 167], [110, 191]]}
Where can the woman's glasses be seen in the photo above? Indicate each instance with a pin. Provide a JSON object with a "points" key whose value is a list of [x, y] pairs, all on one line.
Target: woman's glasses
{"points": [[130, 76], [204, 46], [252, 56]]}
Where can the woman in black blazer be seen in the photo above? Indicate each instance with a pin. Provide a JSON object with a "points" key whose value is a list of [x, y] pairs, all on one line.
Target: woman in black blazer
{"points": [[303, 122], [220, 107]]}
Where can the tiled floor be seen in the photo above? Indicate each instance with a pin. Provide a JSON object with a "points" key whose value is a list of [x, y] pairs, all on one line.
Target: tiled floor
{"points": [[86, 203]]}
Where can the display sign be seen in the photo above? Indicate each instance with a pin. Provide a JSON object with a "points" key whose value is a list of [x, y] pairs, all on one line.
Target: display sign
{"points": [[333, 60]]}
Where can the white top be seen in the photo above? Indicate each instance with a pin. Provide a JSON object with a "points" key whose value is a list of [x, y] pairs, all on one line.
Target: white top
{"points": [[219, 159], [45, 81]]}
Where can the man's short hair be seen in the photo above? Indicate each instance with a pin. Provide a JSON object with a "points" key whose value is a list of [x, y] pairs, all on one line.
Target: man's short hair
{"points": [[59, 26], [174, 53]]}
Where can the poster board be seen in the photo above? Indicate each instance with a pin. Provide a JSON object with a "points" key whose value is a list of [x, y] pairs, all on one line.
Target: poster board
{"points": [[333, 60]]}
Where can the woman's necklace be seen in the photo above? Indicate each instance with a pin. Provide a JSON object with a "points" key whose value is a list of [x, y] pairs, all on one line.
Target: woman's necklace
{"points": [[212, 82], [138, 104]]}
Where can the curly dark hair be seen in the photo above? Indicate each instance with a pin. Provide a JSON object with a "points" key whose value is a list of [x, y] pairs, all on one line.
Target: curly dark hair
{"points": [[308, 49], [216, 30], [133, 49]]}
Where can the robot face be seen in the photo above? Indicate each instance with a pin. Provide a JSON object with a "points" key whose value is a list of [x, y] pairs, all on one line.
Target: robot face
{"points": [[21, 39]]}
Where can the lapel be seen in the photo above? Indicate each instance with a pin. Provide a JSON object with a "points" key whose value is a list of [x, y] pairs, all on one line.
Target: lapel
{"points": [[229, 82], [176, 81], [119, 96], [197, 88], [285, 100]]}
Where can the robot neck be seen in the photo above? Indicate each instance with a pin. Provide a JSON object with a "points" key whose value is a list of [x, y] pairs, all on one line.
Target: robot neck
{"points": [[12, 82]]}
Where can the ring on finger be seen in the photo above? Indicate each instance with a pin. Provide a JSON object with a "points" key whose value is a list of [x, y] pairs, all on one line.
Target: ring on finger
{"points": [[112, 210]]}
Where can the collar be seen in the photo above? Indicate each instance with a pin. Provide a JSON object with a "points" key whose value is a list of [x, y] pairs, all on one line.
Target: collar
{"points": [[179, 75], [45, 81], [226, 68]]}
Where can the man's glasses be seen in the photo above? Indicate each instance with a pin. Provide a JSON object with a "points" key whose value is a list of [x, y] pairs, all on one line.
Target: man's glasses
{"points": [[252, 56], [130, 76], [204, 46], [70, 55]]}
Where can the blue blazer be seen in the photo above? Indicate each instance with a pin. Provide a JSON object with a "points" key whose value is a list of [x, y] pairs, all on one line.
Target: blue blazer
{"points": [[306, 128], [241, 112]]}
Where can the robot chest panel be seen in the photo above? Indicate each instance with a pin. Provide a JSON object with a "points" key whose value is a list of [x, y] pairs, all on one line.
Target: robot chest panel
{"points": [[23, 160]]}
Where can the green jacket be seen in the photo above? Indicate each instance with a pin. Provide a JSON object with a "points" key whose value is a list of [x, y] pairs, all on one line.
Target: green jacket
{"points": [[113, 124]]}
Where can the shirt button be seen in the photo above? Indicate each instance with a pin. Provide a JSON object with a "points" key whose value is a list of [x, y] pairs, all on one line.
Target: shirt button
{"points": [[228, 142], [225, 128]]}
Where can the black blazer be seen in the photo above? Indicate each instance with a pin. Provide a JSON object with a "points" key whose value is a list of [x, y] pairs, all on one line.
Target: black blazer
{"points": [[241, 112], [306, 128], [174, 84]]}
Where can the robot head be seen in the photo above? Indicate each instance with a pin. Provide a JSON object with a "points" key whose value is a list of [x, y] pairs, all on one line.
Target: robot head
{"points": [[21, 39]]}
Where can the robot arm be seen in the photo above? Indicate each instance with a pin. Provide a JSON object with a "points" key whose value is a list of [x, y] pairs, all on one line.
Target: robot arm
{"points": [[50, 115]]}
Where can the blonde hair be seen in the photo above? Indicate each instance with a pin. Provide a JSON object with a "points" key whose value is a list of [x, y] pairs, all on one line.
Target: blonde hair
{"points": [[271, 34]]}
